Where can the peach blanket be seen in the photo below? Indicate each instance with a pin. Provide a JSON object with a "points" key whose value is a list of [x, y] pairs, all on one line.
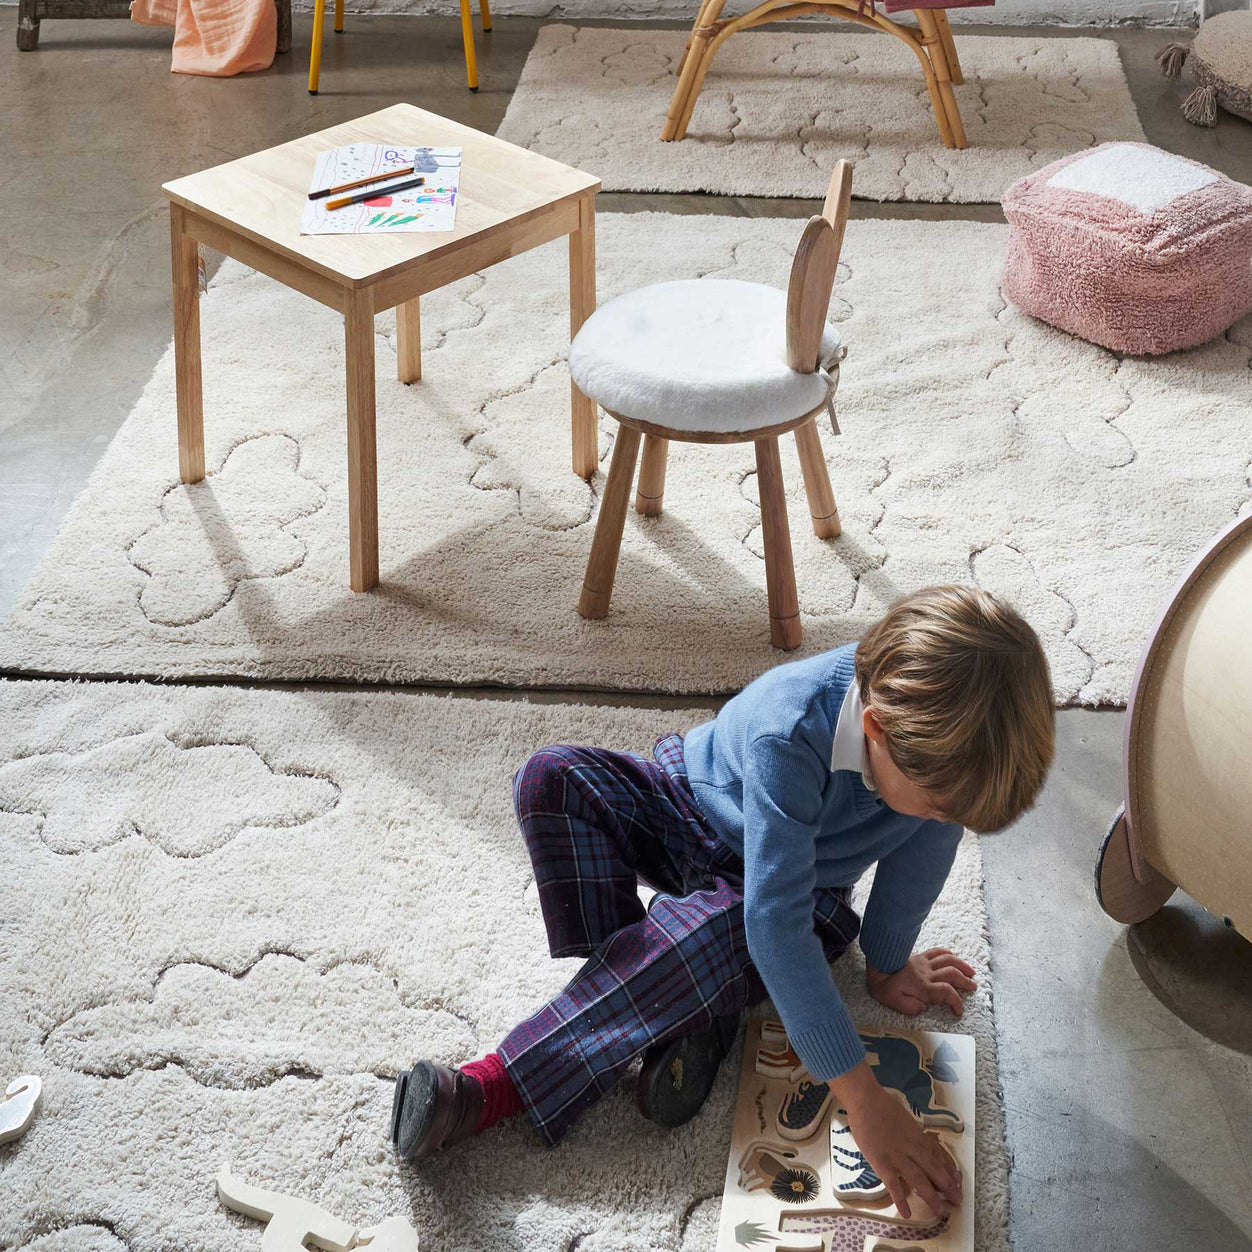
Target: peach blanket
{"points": [[214, 37]]}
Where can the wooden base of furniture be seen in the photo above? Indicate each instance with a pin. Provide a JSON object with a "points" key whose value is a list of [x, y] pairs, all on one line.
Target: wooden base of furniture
{"points": [[31, 12], [931, 43], [780, 576], [1123, 896]]}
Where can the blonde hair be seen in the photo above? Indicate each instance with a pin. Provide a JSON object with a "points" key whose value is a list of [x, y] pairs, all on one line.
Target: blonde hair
{"points": [[960, 684]]}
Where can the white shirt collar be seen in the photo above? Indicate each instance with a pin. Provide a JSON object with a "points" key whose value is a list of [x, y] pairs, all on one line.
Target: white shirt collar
{"points": [[849, 750]]}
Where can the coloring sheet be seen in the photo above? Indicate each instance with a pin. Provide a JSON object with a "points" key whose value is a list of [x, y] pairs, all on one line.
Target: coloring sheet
{"points": [[429, 207], [795, 1180]]}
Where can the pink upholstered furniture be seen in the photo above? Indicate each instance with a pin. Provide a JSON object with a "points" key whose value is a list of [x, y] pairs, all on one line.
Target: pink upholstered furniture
{"points": [[1131, 247]]}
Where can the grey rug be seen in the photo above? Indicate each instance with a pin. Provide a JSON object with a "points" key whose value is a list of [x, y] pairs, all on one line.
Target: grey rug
{"points": [[778, 109], [227, 918], [978, 445]]}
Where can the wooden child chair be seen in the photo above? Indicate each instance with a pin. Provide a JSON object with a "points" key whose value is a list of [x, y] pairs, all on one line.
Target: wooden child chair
{"points": [[719, 361], [467, 39]]}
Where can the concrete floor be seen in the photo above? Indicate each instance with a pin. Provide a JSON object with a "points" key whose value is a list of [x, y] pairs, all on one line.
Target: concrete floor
{"points": [[1126, 1055]]}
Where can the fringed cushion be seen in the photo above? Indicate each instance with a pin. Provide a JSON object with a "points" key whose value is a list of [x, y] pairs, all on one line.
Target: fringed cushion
{"points": [[1221, 62], [1130, 247]]}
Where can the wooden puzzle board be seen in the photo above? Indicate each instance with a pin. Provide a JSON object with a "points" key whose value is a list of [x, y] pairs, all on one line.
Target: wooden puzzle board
{"points": [[794, 1178]]}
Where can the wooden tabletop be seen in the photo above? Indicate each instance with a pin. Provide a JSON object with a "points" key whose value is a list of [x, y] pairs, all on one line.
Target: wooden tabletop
{"points": [[261, 196]]}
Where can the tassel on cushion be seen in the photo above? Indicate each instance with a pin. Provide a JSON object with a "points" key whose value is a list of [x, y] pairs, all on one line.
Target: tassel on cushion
{"points": [[1171, 58], [1200, 107]]}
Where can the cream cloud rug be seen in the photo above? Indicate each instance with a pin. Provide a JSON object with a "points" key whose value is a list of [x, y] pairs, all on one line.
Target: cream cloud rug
{"points": [[778, 109], [978, 446], [227, 918]]}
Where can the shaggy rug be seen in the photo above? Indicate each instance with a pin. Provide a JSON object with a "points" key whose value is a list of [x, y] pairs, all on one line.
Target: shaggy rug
{"points": [[978, 445], [778, 109], [227, 918]]}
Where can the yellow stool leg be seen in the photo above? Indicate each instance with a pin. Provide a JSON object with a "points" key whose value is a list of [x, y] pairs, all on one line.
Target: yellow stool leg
{"points": [[484, 11], [467, 38], [315, 52], [338, 17]]}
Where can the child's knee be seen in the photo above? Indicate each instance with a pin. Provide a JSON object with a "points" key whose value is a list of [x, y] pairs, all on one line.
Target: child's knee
{"points": [[541, 780]]}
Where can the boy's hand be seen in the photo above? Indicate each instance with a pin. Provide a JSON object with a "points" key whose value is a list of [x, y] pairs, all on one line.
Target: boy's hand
{"points": [[926, 978], [903, 1155]]}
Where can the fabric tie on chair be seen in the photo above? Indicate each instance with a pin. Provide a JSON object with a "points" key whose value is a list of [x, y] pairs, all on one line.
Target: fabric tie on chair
{"points": [[828, 371]]}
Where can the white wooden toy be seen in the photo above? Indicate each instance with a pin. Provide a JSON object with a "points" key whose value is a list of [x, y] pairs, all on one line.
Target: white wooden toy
{"points": [[292, 1223], [17, 1110], [796, 1180], [393, 1235]]}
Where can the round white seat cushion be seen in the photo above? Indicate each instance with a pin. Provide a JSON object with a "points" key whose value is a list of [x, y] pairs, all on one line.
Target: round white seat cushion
{"points": [[704, 354]]}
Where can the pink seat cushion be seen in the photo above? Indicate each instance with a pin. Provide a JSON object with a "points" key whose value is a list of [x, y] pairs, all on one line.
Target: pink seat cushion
{"points": [[1130, 247], [897, 6]]}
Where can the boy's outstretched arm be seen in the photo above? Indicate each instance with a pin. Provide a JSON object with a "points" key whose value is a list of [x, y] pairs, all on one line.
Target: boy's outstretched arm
{"points": [[782, 789]]}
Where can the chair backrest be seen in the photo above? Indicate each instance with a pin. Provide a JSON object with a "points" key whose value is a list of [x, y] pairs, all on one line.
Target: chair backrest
{"points": [[813, 273]]}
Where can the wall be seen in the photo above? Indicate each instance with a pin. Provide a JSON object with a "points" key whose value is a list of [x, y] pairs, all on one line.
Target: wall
{"points": [[1004, 12]]}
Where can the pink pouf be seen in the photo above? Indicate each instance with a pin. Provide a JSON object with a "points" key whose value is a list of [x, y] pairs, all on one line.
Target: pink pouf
{"points": [[1130, 247]]}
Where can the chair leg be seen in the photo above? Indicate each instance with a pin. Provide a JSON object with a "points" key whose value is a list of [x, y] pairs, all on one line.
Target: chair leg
{"points": [[651, 490], [315, 51], [939, 82], [338, 17], [607, 544], [949, 46], [780, 572], [484, 14], [467, 41], [282, 41], [817, 488]]}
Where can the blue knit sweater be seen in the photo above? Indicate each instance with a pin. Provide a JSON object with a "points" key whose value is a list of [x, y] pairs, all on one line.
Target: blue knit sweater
{"points": [[761, 771]]}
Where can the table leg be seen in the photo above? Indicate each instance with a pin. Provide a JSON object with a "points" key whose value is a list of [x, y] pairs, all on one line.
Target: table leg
{"points": [[185, 267], [582, 303], [358, 321], [409, 340]]}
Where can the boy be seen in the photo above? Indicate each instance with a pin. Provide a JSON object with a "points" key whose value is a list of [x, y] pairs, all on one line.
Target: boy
{"points": [[752, 831]]}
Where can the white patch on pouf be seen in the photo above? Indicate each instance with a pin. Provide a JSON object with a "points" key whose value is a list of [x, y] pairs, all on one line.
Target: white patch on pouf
{"points": [[978, 445], [250, 1005], [1145, 178]]}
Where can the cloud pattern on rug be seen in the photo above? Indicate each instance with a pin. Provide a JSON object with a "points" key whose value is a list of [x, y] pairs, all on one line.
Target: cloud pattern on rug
{"points": [[151, 786], [229, 526], [281, 1016], [778, 109], [250, 1007]]}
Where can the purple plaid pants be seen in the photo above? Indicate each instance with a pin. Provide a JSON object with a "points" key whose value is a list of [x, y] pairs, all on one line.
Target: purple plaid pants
{"points": [[596, 823]]}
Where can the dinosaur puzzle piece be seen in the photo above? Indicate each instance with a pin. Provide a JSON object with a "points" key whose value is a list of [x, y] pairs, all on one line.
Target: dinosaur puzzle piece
{"points": [[291, 1223], [393, 1235], [17, 1110]]}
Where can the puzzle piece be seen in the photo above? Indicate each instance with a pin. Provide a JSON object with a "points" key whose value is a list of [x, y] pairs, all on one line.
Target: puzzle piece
{"points": [[393, 1235], [17, 1111], [291, 1223], [860, 1184]]}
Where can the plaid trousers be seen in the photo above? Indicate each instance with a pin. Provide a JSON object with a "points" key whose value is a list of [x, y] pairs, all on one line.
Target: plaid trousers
{"points": [[596, 823]]}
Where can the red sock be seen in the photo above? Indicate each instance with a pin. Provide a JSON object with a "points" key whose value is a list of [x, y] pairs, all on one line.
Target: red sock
{"points": [[500, 1098]]}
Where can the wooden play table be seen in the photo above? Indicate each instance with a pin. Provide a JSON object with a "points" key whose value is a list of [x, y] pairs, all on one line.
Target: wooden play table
{"points": [[510, 200]]}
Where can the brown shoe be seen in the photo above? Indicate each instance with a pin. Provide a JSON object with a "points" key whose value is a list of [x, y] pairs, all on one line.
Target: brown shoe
{"points": [[677, 1076], [433, 1108]]}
